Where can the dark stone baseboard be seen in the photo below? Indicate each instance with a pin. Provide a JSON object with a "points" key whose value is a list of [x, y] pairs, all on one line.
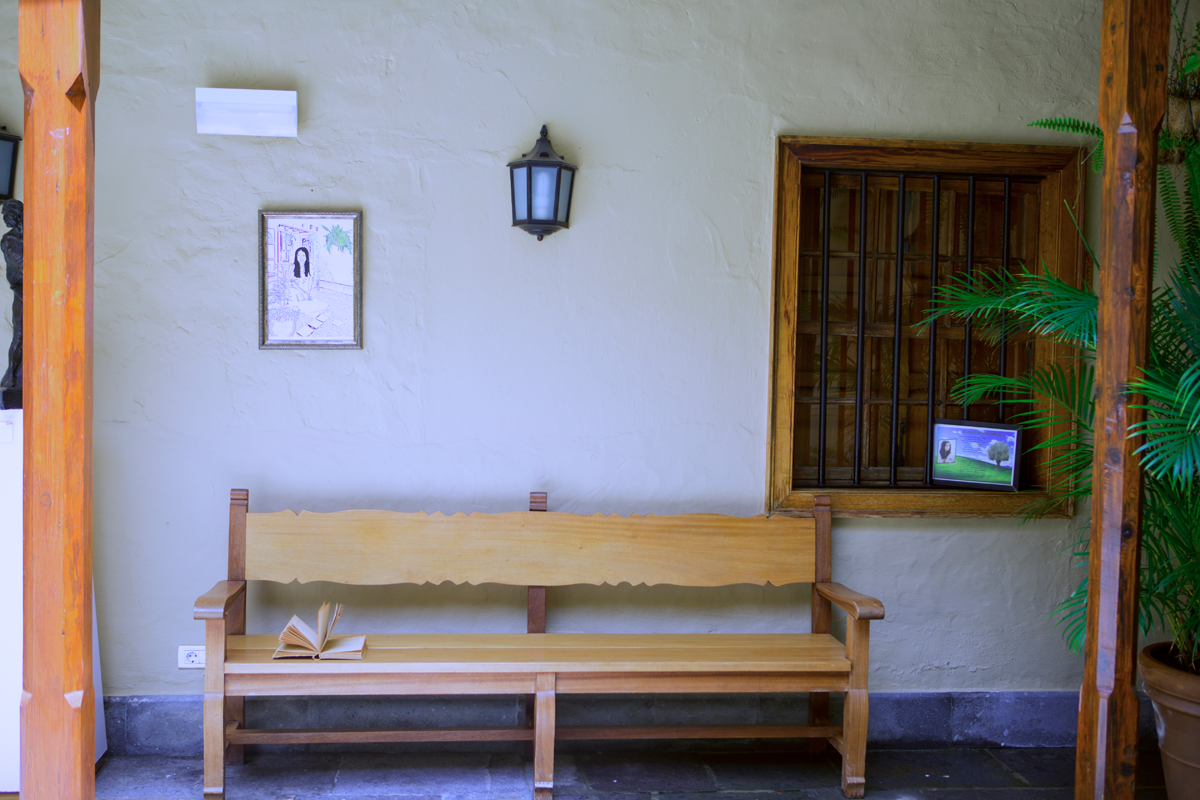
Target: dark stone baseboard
{"points": [[170, 725]]}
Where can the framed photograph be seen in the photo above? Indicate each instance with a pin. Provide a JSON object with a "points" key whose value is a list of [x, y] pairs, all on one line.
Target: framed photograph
{"points": [[976, 455], [310, 280]]}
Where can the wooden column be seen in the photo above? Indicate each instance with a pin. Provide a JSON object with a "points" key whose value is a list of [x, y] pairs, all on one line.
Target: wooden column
{"points": [[60, 70], [1133, 73]]}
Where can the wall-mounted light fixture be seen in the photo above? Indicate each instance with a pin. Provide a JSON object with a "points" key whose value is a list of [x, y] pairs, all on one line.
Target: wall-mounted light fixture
{"points": [[246, 112], [8, 164], [542, 181]]}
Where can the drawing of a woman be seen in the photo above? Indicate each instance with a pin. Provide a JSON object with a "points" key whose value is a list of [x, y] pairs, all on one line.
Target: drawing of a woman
{"points": [[302, 271]]}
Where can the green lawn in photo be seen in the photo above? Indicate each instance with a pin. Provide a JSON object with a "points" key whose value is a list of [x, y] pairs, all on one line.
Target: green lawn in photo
{"points": [[968, 469]]}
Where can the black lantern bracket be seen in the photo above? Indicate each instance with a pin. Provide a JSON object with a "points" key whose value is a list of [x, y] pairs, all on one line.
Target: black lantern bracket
{"points": [[541, 182]]}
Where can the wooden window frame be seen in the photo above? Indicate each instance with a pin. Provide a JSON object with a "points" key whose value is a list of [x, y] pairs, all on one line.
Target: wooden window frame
{"points": [[1060, 170]]}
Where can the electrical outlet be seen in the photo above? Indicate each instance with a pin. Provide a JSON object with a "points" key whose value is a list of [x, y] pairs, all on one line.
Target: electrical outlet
{"points": [[191, 656]]}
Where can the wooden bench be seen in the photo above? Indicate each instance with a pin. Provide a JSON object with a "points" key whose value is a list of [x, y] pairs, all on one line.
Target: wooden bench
{"points": [[536, 549]]}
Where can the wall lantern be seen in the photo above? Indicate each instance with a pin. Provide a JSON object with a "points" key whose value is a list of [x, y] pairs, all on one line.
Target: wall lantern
{"points": [[8, 164], [541, 190]]}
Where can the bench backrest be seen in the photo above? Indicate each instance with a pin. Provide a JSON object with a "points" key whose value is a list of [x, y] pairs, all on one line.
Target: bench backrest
{"points": [[524, 548]]}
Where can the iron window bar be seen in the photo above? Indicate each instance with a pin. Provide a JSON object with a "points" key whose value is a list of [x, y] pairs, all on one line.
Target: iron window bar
{"points": [[1004, 273], [933, 274], [862, 321], [931, 398], [966, 408], [895, 432], [824, 388]]}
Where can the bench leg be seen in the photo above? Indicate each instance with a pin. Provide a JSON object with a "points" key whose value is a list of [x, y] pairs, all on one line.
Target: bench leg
{"points": [[543, 738], [214, 709], [214, 746], [854, 761], [854, 717]]}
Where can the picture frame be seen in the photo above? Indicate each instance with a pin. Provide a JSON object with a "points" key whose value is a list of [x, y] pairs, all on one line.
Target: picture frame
{"points": [[962, 454], [310, 280]]}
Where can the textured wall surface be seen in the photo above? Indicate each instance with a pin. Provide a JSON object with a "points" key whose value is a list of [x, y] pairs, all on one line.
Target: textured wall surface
{"points": [[621, 366]]}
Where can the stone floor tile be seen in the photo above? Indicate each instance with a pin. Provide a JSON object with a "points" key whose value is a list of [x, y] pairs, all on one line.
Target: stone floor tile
{"points": [[583, 793], [638, 772], [1055, 766], [337, 796], [773, 770], [936, 769], [145, 777], [274, 775], [566, 771], [1006, 793], [453, 774], [751, 795], [1002, 774], [835, 793], [1042, 767]]}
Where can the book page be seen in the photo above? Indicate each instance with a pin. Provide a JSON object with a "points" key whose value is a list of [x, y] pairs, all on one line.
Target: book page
{"points": [[322, 626], [294, 651], [344, 647], [334, 616], [299, 634]]}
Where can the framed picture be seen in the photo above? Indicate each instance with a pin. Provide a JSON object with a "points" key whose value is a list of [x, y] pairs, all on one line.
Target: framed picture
{"points": [[976, 455], [310, 280]]}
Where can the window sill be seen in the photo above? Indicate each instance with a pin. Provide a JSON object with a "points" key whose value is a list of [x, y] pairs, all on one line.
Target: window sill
{"points": [[944, 503]]}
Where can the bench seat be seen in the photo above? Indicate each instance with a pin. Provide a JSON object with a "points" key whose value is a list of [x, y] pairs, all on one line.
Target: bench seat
{"points": [[531, 653]]}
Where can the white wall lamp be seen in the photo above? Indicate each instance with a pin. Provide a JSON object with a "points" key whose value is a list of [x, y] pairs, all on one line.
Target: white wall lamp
{"points": [[246, 112], [541, 181]]}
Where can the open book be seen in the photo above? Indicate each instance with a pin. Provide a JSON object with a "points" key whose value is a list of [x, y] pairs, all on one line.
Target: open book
{"points": [[300, 641]]}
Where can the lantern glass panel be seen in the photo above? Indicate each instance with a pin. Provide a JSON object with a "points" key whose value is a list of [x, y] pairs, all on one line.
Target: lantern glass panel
{"points": [[520, 181], [7, 149], [564, 195], [544, 180]]}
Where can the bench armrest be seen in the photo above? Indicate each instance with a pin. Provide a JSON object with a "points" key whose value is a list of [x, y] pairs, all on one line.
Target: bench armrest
{"points": [[215, 604], [859, 606]]}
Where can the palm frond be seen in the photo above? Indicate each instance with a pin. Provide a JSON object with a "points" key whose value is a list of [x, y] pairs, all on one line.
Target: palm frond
{"points": [[1004, 305], [1171, 429], [1068, 389]]}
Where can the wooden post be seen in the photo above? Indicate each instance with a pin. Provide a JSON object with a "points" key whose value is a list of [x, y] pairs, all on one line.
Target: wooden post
{"points": [[60, 72], [1133, 77]]}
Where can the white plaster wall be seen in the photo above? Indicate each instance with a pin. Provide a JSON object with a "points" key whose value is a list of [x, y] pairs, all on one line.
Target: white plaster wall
{"points": [[621, 366]]}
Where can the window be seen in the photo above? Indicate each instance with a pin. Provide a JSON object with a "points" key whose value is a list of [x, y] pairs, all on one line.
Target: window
{"points": [[856, 384]]}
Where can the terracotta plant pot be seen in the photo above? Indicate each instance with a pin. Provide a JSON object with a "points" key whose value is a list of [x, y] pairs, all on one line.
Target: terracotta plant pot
{"points": [[1176, 697]]}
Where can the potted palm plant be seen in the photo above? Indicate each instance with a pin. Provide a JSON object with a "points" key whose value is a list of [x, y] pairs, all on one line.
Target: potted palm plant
{"points": [[1031, 303]]}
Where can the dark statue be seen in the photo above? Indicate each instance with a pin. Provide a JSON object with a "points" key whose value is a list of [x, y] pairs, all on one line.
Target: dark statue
{"points": [[13, 248]]}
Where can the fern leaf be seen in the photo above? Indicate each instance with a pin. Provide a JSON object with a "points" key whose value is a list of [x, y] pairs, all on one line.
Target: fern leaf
{"points": [[1069, 125]]}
